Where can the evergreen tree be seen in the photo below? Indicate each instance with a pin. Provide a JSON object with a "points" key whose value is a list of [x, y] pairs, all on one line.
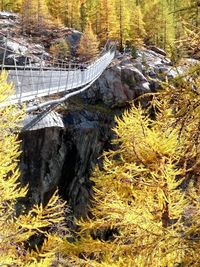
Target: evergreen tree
{"points": [[60, 50], [12, 5], [108, 20], [56, 9], [71, 14], [123, 9], [83, 16], [93, 14]]}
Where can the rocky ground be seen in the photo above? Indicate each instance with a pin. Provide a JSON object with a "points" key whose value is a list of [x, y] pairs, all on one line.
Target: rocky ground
{"points": [[35, 47]]}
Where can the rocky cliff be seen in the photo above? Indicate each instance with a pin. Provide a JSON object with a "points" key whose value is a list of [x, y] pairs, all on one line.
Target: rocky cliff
{"points": [[64, 155]]}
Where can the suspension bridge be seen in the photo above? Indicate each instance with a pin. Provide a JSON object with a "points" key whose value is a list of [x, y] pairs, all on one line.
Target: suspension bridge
{"points": [[39, 83]]}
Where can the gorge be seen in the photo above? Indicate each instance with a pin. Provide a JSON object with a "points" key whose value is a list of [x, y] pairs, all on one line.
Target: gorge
{"points": [[62, 149]]}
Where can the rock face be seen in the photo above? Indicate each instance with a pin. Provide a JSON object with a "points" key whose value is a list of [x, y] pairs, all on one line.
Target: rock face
{"points": [[47, 119], [8, 20], [21, 51], [128, 78], [118, 84], [65, 157]]}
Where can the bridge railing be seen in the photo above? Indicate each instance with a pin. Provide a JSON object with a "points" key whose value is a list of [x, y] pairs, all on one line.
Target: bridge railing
{"points": [[27, 57], [32, 82]]}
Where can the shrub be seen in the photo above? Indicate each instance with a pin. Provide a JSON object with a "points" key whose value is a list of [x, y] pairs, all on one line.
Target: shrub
{"points": [[60, 49]]}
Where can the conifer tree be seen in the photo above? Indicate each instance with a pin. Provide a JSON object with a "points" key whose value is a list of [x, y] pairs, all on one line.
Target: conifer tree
{"points": [[88, 46], [60, 49], [70, 14], [137, 27], [108, 20], [56, 9], [92, 14], [83, 16], [16, 223], [147, 206], [35, 15], [3, 4], [123, 10], [13, 5]]}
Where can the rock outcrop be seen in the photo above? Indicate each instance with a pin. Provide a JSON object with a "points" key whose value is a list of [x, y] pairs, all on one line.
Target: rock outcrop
{"points": [[128, 78], [118, 84], [64, 157]]}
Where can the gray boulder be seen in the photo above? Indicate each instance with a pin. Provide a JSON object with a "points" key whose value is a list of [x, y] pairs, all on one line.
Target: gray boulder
{"points": [[73, 38], [119, 84], [8, 15], [22, 52]]}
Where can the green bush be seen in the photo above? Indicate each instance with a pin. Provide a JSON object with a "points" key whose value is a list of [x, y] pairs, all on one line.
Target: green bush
{"points": [[134, 52]]}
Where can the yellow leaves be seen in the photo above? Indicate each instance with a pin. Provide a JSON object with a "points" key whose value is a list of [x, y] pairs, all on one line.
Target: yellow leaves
{"points": [[44, 262], [16, 230], [9, 145], [144, 141], [60, 49], [35, 14], [47, 254], [5, 88], [141, 196], [39, 218], [88, 46]]}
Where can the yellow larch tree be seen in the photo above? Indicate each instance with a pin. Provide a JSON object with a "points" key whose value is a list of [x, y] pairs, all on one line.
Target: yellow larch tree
{"points": [[88, 46], [108, 21], [35, 15], [123, 11], [146, 209], [16, 223], [137, 27], [90, 12], [60, 49], [159, 23], [57, 11], [13, 5], [70, 13]]}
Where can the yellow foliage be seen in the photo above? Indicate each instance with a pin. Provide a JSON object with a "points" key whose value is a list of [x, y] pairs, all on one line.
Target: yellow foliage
{"points": [[15, 230], [35, 15], [147, 196], [88, 46], [60, 49]]}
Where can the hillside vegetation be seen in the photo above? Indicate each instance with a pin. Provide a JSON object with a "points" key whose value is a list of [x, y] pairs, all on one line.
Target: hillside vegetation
{"points": [[145, 210], [164, 23]]}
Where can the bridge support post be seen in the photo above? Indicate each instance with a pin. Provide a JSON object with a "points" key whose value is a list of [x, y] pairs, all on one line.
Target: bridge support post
{"points": [[5, 51]]}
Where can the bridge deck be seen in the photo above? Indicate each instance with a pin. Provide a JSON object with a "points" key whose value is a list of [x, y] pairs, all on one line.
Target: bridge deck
{"points": [[32, 82]]}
